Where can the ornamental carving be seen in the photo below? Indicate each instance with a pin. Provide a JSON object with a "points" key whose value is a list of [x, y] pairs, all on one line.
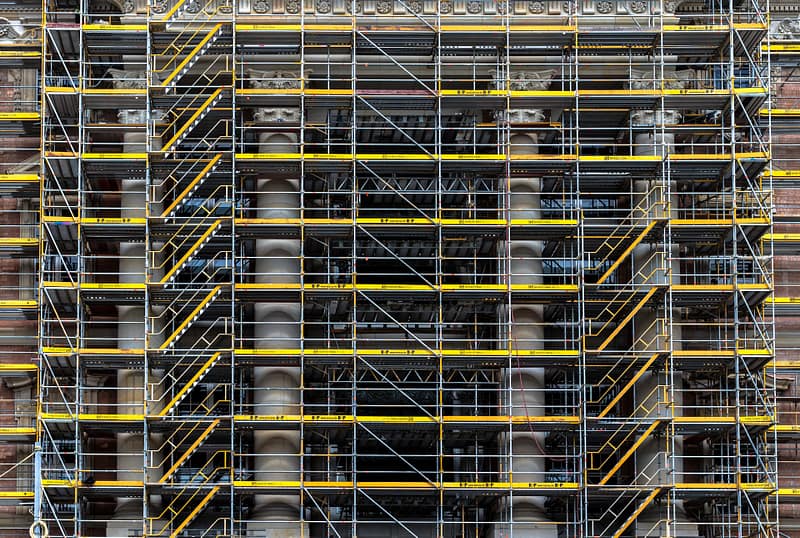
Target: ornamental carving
{"points": [[293, 7], [384, 7], [128, 6], [262, 6], [127, 80], [568, 6], [276, 115], [323, 6], [474, 7], [349, 6], [525, 115], [274, 80], [536, 8], [639, 6], [787, 29], [526, 80], [193, 6], [225, 6], [414, 6], [502, 7], [159, 6], [132, 116], [673, 80], [445, 7], [605, 7], [641, 118]]}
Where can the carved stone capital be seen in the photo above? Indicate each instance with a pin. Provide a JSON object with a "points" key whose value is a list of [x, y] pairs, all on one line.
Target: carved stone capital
{"points": [[132, 116], [786, 29], [276, 115], [525, 80], [275, 80], [526, 115], [673, 80], [127, 80], [646, 118]]}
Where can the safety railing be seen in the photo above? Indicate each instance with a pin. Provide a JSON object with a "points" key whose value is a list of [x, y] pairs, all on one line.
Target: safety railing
{"points": [[626, 434], [629, 232], [190, 500]]}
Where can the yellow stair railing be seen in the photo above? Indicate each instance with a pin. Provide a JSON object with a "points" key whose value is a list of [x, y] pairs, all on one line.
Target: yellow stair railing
{"points": [[193, 249], [626, 433], [637, 512], [193, 315], [199, 373], [190, 500], [190, 450], [201, 111], [650, 210], [193, 185]]}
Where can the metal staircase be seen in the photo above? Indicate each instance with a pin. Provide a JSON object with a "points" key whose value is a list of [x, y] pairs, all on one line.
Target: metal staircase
{"points": [[190, 268]]}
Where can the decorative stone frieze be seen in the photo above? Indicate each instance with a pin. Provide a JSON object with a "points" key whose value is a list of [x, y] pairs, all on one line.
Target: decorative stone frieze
{"points": [[127, 80]]}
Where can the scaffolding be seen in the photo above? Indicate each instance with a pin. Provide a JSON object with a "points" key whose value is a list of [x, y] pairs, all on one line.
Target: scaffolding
{"points": [[392, 268]]}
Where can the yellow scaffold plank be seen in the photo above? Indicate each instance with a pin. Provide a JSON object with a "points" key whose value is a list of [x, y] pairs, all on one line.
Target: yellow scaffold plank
{"points": [[240, 27], [295, 484], [113, 286], [114, 156], [372, 419], [781, 112], [444, 288], [61, 89], [785, 428], [19, 178], [100, 27], [780, 47], [722, 486], [21, 304], [488, 353], [16, 431], [781, 174], [782, 300], [93, 417], [20, 54], [19, 116], [784, 364], [64, 351], [16, 495], [512, 28], [702, 287], [114, 221], [703, 353], [18, 241], [18, 367], [115, 91], [782, 237]]}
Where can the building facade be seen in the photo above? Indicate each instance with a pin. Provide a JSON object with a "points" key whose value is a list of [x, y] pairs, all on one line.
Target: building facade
{"points": [[388, 268]]}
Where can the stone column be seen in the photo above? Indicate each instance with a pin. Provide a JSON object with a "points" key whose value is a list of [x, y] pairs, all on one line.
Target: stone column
{"points": [[528, 460], [277, 325]]}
